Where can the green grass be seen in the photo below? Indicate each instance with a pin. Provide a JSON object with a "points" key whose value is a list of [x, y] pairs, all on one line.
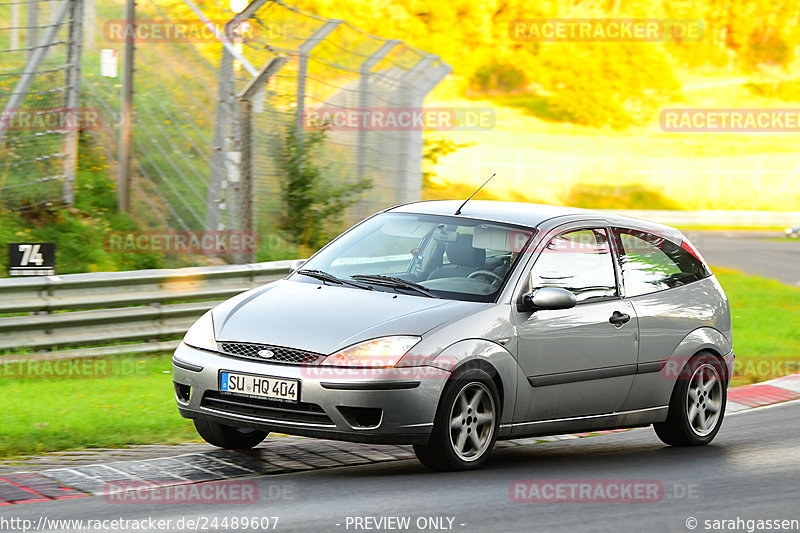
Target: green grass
{"points": [[80, 232], [766, 326], [134, 407], [534, 105]]}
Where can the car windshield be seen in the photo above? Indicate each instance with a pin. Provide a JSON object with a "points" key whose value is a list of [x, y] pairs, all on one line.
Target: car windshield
{"points": [[422, 255]]}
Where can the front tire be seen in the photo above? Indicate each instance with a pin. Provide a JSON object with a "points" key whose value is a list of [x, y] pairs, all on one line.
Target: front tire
{"points": [[466, 424], [229, 437], [698, 404]]}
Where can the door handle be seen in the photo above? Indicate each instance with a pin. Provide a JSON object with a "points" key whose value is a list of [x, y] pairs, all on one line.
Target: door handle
{"points": [[619, 318]]}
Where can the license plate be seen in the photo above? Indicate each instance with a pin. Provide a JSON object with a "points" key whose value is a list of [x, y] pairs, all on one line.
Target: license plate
{"points": [[287, 390]]}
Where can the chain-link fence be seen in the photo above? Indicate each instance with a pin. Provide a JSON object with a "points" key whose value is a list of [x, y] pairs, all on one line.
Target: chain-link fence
{"points": [[187, 144], [332, 68], [174, 100], [40, 71]]}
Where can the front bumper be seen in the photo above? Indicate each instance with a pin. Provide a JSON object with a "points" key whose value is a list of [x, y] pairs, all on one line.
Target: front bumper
{"points": [[406, 399]]}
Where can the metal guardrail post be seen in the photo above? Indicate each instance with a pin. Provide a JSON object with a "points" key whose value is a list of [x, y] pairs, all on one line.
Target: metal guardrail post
{"points": [[409, 171], [221, 127], [224, 161], [365, 71], [126, 129], [89, 24], [244, 188], [73, 99], [32, 28], [302, 68], [13, 36]]}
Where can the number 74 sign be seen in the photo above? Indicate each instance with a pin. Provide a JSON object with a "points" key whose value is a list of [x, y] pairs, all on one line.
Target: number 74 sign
{"points": [[31, 259]]}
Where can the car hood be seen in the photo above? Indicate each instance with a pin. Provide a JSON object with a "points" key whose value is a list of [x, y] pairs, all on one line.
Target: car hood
{"points": [[327, 318]]}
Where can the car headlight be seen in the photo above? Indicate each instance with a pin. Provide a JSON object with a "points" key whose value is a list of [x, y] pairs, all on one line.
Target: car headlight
{"points": [[201, 334], [383, 352]]}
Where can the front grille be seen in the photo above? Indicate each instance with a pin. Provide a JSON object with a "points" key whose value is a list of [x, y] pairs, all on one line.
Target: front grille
{"points": [[249, 350], [308, 413]]}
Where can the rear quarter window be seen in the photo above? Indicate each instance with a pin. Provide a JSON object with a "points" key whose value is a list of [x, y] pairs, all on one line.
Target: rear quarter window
{"points": [[650, 263]]}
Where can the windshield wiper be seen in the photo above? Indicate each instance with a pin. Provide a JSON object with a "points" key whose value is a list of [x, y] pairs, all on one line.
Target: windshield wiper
{"points": [[324, 276], [397, 283]]}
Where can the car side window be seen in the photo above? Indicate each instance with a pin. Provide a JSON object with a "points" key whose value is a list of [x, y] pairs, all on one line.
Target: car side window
{"points": [[579, 261], [650, 263]]}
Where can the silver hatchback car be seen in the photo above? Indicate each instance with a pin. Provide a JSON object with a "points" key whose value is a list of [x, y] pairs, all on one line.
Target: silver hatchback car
{"points": [[450, 327]]}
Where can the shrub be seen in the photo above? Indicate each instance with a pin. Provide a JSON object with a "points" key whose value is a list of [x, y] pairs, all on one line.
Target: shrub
{"points": [[497, 77], [599, 84], [767, 46], [590, 196], [312, 203]]}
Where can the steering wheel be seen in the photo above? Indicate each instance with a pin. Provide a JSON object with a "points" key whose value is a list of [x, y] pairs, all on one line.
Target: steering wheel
{"points": [[485, 273]]}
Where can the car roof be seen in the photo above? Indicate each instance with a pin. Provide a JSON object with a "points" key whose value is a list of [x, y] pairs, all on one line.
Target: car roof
{"points": [[520, 213], [528, 214]]}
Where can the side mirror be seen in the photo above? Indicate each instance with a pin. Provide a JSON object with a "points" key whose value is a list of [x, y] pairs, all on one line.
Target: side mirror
{"points": [[296, 265], [548, 298]]}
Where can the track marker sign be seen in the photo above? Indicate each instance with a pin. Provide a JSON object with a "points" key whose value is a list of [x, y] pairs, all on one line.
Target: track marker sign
{"points": [[32, 259], [108, 63]]}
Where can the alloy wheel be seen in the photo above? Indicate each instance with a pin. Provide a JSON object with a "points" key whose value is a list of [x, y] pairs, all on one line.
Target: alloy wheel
{"points": [[472, 421], [704, 399]]}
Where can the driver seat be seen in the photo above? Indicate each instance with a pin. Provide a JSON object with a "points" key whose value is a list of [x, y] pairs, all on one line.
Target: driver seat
{"points": [[464, 259]]}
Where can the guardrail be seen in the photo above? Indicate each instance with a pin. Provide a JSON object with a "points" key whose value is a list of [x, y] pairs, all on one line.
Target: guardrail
{"points": [[81, 315]]}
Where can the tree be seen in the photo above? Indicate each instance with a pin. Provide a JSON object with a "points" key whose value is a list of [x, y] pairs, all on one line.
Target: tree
{"points": [[313, 204]]}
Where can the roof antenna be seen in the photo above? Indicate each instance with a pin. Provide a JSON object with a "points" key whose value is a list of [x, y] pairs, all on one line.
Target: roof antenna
{"points": [[458, 211]]}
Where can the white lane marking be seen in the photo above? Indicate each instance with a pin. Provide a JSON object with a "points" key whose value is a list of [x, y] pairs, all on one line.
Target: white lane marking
{"points": [[791, 384], [734, 407], [762, 407]]}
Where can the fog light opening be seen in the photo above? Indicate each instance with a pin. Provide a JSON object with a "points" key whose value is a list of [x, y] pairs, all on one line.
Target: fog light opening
{"points": [[183, 392], [362, 417]]}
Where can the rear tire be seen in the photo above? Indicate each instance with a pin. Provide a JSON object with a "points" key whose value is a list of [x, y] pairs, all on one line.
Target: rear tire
{"points": [[466, 424], [697, 406], [229, 437]]}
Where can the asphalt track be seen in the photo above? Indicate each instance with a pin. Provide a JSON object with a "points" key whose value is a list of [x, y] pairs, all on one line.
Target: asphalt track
{"points": [[752, 253], [750, 472]]}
